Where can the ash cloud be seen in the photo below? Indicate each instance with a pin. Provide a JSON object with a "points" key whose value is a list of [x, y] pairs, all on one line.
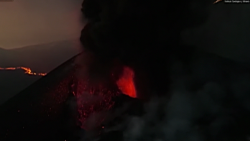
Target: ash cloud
{"points": [[193, 95], [138, 34]]}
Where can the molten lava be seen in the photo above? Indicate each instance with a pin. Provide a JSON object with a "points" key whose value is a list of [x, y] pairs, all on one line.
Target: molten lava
{"points": [[26, 70], [126, 82]]}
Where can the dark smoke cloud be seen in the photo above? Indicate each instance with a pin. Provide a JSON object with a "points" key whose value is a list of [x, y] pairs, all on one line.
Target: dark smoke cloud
{"points": [[193, 95], [138, 34]]}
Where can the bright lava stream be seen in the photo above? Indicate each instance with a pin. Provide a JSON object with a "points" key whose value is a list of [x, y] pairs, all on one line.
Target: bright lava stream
{"points": [[25, 69]]}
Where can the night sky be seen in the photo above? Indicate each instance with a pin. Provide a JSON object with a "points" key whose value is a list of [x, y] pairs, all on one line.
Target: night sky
{"points": [[31, 22]]}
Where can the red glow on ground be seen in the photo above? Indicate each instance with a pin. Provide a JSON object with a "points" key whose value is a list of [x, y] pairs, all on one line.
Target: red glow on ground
{"points": [[92, 103], [126, 82]]}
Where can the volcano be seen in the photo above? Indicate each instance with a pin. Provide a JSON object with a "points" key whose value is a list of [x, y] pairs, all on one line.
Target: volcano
{"points": [[41, 111]]}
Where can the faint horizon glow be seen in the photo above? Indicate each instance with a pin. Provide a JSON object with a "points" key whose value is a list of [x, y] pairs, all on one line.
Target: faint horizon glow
{"points": [[29, 22]]}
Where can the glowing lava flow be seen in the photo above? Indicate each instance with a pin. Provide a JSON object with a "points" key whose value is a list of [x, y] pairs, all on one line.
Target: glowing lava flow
{"points": [[126, 82], [26, 70]]}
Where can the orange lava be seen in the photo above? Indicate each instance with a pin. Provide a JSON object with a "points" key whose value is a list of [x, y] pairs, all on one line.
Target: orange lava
{"points": [[26, 70], [126, 82]]}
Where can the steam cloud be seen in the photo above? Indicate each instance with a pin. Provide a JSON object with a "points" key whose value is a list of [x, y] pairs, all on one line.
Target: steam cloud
{"points": [[194, 95]]}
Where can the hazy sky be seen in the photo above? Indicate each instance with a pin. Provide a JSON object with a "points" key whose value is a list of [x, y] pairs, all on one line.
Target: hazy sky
{"points": [[28, 22]]}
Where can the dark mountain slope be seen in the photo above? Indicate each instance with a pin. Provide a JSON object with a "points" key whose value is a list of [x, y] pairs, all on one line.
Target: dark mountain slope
{"points": [[35, 113]]}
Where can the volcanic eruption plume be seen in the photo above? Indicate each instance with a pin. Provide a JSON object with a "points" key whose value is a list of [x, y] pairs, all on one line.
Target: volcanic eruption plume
{"points": [[191, 95], [25, 69]]}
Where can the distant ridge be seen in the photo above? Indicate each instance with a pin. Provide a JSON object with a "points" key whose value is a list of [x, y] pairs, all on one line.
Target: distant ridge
{"points": [[40, 57]]}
